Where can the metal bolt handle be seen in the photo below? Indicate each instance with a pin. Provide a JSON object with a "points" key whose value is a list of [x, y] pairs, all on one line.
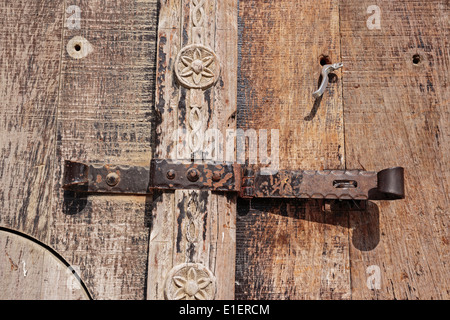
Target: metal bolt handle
{"points": [[326, 70]]}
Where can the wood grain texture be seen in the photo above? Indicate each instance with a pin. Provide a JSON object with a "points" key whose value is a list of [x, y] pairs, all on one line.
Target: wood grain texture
{"points": [[105, 115], [291, 249], [388, 107], [397, 113], [30, 49], [172, 224], [29, 271]]}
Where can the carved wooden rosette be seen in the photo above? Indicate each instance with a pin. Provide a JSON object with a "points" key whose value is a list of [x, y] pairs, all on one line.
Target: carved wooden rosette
{"points": [[197, 67], [190, 281]]}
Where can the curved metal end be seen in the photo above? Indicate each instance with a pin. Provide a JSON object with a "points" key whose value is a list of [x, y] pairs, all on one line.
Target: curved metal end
{"points": [[391, 184], [337, 66], [76, 176]]}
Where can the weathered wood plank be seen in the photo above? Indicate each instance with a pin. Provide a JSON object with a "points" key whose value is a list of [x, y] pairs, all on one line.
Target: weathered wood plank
{"points": [[105, 115], [30, 271], [30, 49], [224, 118], [166, 103], [191, 231], [291, 249], [396, 113]]}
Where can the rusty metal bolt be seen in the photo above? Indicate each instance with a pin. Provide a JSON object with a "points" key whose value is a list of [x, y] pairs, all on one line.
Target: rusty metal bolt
{"points": [[112, 179], [171, 174], [193, 175], [216, 177]]}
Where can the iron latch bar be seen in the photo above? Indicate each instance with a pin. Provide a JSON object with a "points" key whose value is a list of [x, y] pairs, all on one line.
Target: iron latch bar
{"points": [[160, 175], [387, 184]]}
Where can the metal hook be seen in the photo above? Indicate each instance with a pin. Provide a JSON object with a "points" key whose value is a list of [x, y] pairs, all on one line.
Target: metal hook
{"points": [[326, 70]]}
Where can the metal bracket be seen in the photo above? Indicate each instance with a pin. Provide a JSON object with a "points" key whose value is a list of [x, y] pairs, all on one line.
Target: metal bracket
{"points": [[247, 183]]}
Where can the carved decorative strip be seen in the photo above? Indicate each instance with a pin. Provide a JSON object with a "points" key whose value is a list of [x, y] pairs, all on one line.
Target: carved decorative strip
{"points": [[197, 68], [193, 225], [192, 233]]}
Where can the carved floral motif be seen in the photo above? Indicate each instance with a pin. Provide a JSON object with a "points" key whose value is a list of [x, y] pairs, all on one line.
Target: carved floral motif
{"points": [[190, 281], [197, 67]]}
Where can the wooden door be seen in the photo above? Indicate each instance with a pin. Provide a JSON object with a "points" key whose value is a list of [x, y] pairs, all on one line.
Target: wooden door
{"points": [[115, 82]]}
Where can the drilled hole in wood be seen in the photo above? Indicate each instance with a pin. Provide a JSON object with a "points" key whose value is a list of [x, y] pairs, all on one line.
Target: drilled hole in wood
{"points": [[324, 60], [78, 47], [416, 59]]}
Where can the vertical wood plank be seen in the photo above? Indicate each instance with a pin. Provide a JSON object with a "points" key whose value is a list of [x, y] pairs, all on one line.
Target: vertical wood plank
{"points": [[396, 113], [105, 116], [162, 236], [166, 100], [30, 49], [223, 119], [197, 247], [292, 249]]}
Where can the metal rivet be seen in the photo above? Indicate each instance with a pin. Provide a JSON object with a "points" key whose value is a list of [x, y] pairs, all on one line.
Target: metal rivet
{"points": [[171, 174], [193, 175], [112, 179], [216, 176]]}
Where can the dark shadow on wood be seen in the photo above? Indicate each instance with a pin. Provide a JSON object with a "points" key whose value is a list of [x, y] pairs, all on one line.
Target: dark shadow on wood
{"points": [[316, 105], [362, 217], [74, 202], [332, 78], [314, 109], [148, 220], [366, 227]]}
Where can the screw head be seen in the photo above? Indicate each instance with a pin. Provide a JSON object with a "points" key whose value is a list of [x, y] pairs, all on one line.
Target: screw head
{"points": [[171, 174], [112, 179], [193, 175]]}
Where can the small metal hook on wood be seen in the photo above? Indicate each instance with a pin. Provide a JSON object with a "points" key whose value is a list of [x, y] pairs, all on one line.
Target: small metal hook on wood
{"points": [[326, 70]]}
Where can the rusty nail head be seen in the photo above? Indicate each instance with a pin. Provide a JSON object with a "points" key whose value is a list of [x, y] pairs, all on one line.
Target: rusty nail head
{"points": [[112, 179], [193, 175], [216, 176], [171, 174]]}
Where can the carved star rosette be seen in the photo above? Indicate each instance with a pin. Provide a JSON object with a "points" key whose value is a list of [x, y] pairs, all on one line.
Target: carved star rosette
{"points": [[197, 67], [190, 281]]}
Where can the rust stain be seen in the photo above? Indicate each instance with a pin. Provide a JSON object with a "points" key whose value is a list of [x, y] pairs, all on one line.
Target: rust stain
{"points": [[14, 267]]}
